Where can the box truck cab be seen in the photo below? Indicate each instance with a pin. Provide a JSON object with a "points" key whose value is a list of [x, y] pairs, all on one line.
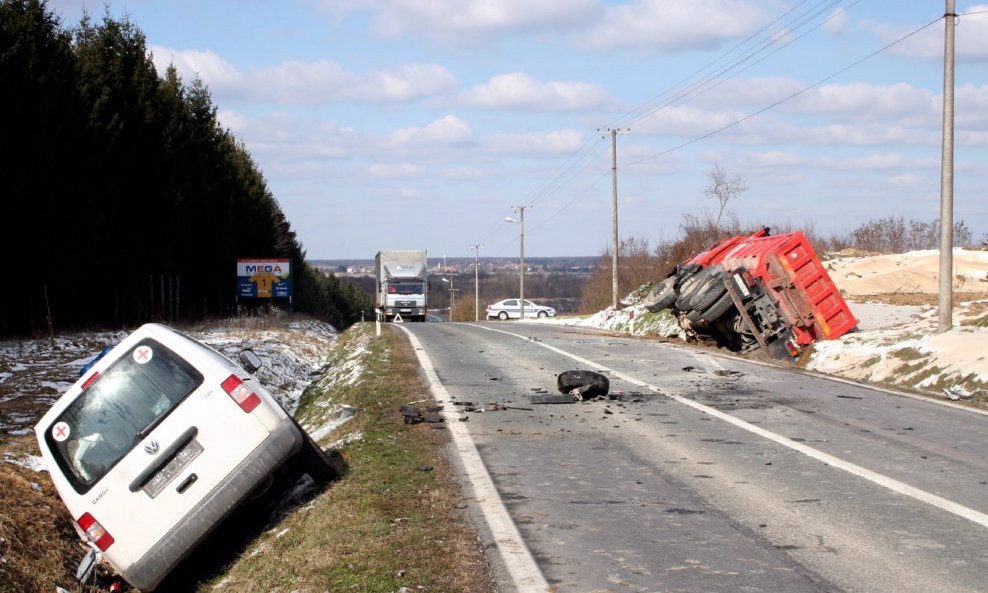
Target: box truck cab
{"points": [[156, 443], [402, 285]]}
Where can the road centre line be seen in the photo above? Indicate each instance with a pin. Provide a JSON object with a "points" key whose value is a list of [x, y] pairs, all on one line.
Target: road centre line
{"points": [[861, 472], [518, 559]]}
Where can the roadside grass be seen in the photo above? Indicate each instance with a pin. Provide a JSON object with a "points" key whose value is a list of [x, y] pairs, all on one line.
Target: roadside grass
{"points": [[395, 518], [38, 547]]}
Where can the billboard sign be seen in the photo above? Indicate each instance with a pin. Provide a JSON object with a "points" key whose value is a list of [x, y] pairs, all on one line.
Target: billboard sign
{"points": [[264, 278]]}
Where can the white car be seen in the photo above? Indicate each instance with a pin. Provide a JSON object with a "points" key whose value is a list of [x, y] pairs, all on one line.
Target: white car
{"points": [[510, 309], [158, 441]]}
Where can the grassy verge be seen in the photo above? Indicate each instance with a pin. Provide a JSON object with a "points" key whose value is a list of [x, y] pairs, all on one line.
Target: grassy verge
{"points": [[390, 521]]}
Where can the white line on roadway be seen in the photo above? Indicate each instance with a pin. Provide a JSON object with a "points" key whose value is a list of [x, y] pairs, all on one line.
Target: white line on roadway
{"points": [[518, 560], [880, 479]]}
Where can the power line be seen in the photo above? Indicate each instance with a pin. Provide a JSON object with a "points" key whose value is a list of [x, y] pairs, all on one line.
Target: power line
{"points": [[788, 98]]}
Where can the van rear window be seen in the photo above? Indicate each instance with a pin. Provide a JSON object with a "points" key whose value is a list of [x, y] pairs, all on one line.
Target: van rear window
{"points": [[117, 411]]}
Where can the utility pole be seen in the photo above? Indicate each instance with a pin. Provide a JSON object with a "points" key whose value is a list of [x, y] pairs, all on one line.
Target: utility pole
{"points": [[614, 209], [521, 281], [476, 281], [947, 175]]}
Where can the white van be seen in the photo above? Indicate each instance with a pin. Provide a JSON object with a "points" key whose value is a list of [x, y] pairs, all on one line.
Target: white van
{"points": [[157, 442]]}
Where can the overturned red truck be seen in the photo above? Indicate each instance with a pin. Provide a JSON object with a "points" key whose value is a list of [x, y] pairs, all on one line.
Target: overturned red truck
{"points": [[767, 291]]}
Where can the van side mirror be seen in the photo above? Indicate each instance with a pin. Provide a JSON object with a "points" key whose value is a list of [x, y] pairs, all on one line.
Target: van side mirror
{"points": [[250, 361]]}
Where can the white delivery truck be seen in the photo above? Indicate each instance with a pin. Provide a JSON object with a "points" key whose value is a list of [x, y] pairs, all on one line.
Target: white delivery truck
{"points": [[402, 285]]}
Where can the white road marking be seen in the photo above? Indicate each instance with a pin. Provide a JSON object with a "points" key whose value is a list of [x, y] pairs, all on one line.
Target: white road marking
{"points": [[518, 560], [854, 469]]}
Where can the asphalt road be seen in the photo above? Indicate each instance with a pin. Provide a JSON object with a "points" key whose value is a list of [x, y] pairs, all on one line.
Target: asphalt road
{"points": [[710, 473]]}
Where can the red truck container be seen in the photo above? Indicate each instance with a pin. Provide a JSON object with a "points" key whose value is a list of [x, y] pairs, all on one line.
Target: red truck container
{"points": [[779, 290]]}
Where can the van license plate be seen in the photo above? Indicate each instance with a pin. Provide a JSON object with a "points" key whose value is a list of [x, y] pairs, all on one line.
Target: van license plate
{"points": [[171, 469]]}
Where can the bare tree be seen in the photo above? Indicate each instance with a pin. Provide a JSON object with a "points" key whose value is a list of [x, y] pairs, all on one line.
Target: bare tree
{"points": [[724, 188]]}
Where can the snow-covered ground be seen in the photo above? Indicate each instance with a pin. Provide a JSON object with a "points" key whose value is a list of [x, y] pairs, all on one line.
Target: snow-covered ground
{"points": [[34, 373]]}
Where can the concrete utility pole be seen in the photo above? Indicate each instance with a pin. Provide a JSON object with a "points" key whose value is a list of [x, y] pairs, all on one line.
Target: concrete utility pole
{"points": [[947, 175], [614, 209], [521, 272], [476, 281]]}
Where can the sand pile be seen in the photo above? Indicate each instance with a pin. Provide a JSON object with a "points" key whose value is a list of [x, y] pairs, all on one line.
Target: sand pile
{"points": [[916, 271]]}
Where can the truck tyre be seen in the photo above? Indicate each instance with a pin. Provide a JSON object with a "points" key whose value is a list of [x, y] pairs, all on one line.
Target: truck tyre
{"points": [[503, 315], [688, 287], [717, 310], [705, 295], [589, 383], [662, 296]]}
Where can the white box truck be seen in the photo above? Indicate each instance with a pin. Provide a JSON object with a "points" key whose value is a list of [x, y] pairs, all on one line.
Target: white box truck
{"points": [[402, 285]]}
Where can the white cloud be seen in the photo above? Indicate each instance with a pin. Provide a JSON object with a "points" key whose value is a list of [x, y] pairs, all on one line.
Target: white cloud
{"points": [[466, 174], [970, 37], [837, 23], [468, 20], [447, 130], [519, 92], [907, 180], [536, 143], [220, 75], [673, 25], [395, 171], [308, 83], [866, 101]]}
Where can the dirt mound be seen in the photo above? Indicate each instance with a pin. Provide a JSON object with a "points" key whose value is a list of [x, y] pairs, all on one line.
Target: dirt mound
{"points": [[913, 272]]}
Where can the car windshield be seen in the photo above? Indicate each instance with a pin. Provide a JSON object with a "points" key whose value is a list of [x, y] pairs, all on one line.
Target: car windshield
{"points": [[113, 414], [405, 288]]}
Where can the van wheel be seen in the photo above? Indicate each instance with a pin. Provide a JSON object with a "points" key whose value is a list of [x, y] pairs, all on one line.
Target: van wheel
{"points": [[311, 460]]}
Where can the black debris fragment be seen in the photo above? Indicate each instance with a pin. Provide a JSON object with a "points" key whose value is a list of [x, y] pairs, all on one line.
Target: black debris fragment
{"points": [[554, 399], [415, 415]]}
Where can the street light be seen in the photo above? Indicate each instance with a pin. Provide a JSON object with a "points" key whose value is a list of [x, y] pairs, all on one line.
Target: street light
{"points": [[521, 272], [451, 292]]}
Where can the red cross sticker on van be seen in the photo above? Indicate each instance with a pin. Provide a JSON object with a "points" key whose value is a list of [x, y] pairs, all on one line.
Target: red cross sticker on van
{"points": [[60, 431], [142, 355]]}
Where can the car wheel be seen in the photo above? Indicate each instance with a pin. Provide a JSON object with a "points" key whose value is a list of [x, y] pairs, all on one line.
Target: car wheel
{"points": [[662, 296], [503, 315], [588, 383], [311, 460], [543, 314]]}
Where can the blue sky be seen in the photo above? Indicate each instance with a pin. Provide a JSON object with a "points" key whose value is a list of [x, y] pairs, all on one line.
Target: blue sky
{"points": [[420, 124]]}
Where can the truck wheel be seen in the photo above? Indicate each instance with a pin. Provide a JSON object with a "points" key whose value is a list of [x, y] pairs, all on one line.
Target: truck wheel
{"points": [[689, 286], [662, 296], [708, 292], [503, 315], [717, 310], [589, 383]]}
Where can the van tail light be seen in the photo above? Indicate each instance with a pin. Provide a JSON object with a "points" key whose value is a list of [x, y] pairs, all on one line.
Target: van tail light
{"points": [[99, 536], [240, 393]]}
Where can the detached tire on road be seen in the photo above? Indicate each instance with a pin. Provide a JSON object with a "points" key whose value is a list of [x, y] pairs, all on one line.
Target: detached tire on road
{"points": [[589, 383]]}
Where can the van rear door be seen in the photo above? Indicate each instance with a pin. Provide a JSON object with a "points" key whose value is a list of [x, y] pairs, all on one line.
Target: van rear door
{"points": [[149, 439]]}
